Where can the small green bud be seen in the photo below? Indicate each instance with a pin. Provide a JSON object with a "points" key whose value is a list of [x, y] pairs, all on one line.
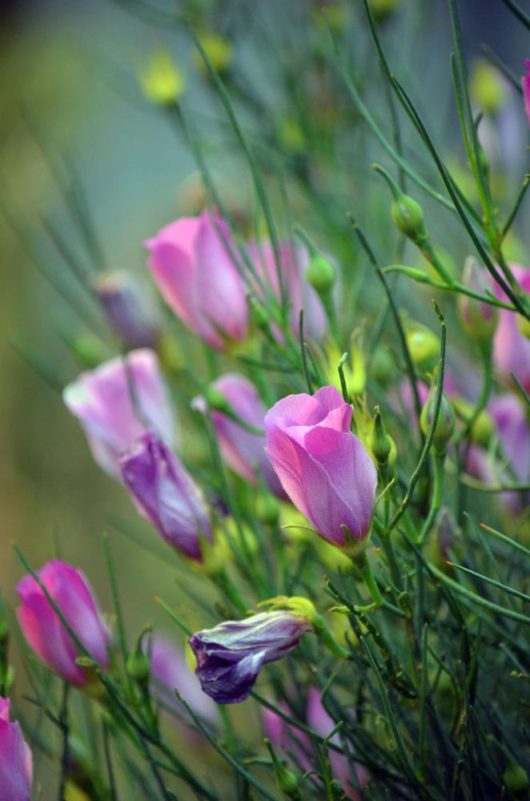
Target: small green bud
{"points": [[423, 345], [138, 666], [383, 366], [516, 778], [445, 424], [482, 429], [217, 401], [407, 215], [321, 274], [381, 444], [478, 319], [88, 349], [287, 781]]}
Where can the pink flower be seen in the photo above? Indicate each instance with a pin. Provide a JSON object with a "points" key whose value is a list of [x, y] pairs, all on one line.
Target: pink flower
{"points": [[192, 266], [119, 401], [525, 80], [166, 495], [293, 263], [324, 468], [511, 351], [322, 724], [171, 672], [242, 450], [16, 767], [44, 630]]}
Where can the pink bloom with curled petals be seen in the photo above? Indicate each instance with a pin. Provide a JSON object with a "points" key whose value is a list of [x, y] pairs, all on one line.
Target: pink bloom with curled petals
{"points": [[192, 265], [117, 402], [325, 469], [44, 630], [16, 766]]}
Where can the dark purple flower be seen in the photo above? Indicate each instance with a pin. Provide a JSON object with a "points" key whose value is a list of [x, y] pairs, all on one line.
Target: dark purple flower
{"points": [[230, 656], [166, 494]]}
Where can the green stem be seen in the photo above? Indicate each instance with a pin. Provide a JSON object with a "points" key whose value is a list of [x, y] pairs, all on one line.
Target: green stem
{"points": [[365, 569], [438, 460]]}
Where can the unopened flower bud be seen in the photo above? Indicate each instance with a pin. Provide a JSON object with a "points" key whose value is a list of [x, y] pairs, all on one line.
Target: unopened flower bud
{"points": [[407, 215], [382, 9], [128, 309], [321, 274], [381, 444], [479, 320], [516, 779], [445, 423], [219, 51], [423, 346], [160, 80], [287, 781], [483, 427], [138, 666], [487, 87], [382, 366]]}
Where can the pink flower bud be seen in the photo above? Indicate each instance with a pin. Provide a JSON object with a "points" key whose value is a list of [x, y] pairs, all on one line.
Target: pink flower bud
{"points": [[242, 449], [166, 494], [511, 351], [16, 767], [44, 630], [325, 469], [119, 401], [192, 265], [129, 310], [293, 264]]}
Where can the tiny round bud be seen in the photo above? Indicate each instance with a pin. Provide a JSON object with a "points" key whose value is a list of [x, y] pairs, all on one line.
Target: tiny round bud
{"points": [[407, 215], [445, 424], [479, 320], [219, 52], [321, 274], [381, 444], [423, 345], [138, 665], [483, 427], [382, 367], [516, 778], [161, 81]]}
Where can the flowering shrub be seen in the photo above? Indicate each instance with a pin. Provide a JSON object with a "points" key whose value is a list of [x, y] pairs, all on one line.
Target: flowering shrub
{"points": [[323, 428]]}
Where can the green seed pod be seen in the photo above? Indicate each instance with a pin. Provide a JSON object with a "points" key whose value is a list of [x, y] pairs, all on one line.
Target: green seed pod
{"points": [[407, 215], [423, 345], [516, 779]]}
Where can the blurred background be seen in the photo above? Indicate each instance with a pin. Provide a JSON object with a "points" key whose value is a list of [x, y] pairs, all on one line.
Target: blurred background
{"points": [[76, 133]]}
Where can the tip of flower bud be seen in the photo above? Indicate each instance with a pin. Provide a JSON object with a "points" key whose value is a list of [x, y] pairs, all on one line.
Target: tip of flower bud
{"points": [[321, 274], [300, 606], [381, 444], [160, 80], [423, 345]]}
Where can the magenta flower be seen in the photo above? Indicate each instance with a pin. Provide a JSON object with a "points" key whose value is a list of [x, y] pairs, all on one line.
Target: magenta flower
{"points": [[117, 402], [191, 263], [16, 766], [511, 351], [325, 469], [166, 494], [44, 630], [293, 262], [230, 656], [128, 309], [322, 724], [170, 672], [525, 80], [242, 450]]}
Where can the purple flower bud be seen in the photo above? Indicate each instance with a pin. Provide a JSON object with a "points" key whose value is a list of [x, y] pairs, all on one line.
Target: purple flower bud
{"points": [[166, 494], [129, 310], [294, 260], [44, 630], [192, 266], [170, 672], [16, 766], [242, 450], [230, 656], [119, 401], [325, 469], [526, 89], [511, 351]]}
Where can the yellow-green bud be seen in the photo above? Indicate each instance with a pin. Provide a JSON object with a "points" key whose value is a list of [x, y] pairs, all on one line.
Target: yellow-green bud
{"points": [[407, 215], [381, 9], [445, 424], [423, 345], [487, 87], [321, 274], [516, 778], [382, 367], [138, 666], [161, 81]]}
